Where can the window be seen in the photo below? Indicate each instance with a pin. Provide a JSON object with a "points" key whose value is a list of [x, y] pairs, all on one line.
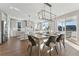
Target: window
{"points": [[45, 25], [70, 25], [61, 26]]}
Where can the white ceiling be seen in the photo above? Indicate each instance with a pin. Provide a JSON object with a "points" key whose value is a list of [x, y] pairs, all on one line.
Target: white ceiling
{"points": [[25, 9]]}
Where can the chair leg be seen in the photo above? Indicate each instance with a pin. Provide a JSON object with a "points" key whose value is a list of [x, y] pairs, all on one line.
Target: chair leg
{"points": [[56, 50], [30, 50], [64, 43], [50, 51], [43, 49], [60, 45]]}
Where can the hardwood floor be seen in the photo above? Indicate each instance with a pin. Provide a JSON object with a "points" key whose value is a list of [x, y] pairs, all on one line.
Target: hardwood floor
{"points": [[16, 47]]}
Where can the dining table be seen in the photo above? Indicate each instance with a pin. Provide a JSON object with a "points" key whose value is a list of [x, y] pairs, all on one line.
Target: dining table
{"points": [[40, 38]]}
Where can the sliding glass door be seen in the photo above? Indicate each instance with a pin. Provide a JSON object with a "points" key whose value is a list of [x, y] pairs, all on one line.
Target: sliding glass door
{"points": [[69, 27]]}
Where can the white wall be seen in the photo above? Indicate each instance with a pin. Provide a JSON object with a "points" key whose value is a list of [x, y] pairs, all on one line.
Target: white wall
{"points": [[8, 20], [13, 27], [77, 27]]}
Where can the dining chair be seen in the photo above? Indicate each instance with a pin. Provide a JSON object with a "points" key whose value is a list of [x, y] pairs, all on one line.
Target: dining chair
{"points": [[60, 40], [51, 40], [33, 43]]}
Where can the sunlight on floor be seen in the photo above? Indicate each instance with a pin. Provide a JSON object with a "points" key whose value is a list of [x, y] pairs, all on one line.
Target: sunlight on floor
{"points": [[73, 45]]}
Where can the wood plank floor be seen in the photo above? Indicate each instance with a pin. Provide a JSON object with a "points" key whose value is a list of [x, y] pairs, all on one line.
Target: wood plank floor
{"points": [[16, 47]]}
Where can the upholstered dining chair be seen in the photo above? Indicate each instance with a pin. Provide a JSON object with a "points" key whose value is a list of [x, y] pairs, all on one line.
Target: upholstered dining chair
{"points": [[51, 43], [33, 43], [60, 40]]}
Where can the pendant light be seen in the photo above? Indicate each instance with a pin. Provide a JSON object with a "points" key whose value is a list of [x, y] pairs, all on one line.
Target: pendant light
{"points": [[44, 14]]}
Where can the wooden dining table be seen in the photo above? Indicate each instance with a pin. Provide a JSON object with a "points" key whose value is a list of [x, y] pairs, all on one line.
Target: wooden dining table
{"points": [[40, 38]]}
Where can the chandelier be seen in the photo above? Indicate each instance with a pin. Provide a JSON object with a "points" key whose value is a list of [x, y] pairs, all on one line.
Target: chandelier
{"points": [[46, 15]]}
